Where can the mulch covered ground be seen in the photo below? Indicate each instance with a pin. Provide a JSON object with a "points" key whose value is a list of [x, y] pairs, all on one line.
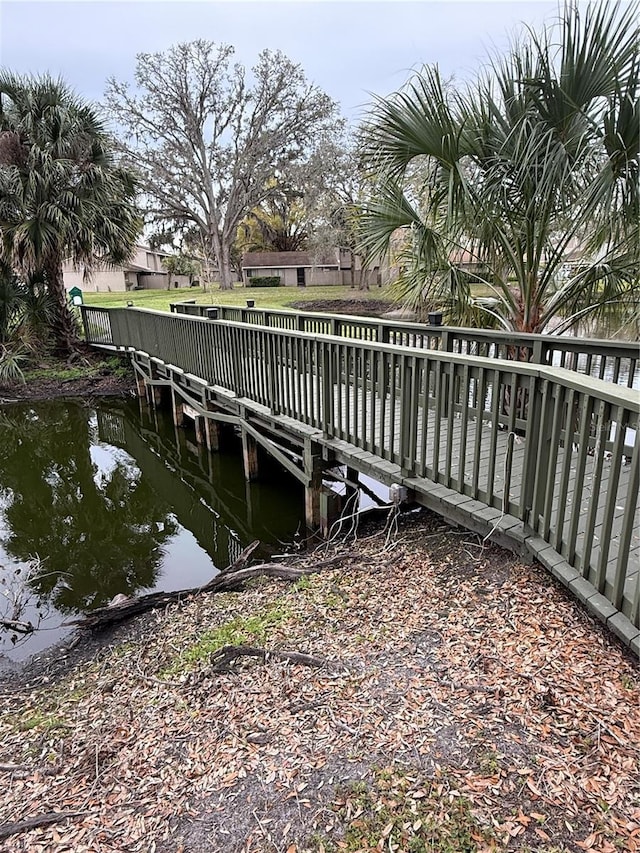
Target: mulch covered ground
{"points": [[464, 703]]}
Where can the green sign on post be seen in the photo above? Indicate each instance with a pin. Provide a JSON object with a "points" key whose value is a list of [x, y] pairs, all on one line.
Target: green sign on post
{"points": [[75, 295]]}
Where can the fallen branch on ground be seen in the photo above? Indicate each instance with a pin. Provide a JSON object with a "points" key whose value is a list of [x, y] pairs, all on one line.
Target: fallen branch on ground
{"points": [[224, 657], [20, 826], [226, 581]]}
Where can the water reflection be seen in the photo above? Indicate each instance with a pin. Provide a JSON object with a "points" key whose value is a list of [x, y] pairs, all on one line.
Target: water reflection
{"points": [[108, 499]]}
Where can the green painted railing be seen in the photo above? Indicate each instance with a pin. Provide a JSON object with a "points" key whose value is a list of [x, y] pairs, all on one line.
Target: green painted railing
{"points": [[556, 449], [612, 361]]}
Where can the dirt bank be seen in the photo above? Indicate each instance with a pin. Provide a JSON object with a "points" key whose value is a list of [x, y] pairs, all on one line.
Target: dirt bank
{"points": [[465, 703], [359, 307], [91, 377]]}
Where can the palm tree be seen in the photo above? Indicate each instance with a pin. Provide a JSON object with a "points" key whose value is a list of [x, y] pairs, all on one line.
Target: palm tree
{"points": [[525, 182], [61, 194]]}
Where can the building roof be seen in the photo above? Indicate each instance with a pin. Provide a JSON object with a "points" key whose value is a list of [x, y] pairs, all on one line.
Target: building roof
{"points": [[271, 260], [137, 268]]}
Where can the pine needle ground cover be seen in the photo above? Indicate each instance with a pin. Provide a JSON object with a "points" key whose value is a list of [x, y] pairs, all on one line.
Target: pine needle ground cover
{"points": [[464, 703]]}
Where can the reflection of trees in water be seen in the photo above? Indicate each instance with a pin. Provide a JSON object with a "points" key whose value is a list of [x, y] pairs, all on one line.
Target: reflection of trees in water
{"points": [[101, 531]]}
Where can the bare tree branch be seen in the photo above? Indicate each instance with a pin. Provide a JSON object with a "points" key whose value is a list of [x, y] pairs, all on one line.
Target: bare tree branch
{"points": [[208, 142]]}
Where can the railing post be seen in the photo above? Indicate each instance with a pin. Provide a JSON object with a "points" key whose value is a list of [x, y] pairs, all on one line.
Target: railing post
{"points": [[272, 361], [234, 360], [83, 314], [537, 450], [407, 412], [383, 333], [446, 345], [327, 390], [446, 341], [537, 354]]}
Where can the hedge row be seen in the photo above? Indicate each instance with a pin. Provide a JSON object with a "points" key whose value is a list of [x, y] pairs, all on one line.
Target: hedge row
{"points": [[265, 281]]}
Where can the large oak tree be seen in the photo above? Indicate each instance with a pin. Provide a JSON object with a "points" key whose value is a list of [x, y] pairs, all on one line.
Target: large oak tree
{"points": [[211, 140]]}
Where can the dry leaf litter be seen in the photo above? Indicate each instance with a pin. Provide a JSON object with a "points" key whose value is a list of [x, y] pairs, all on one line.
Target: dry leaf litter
{"points": [[466, 704]]}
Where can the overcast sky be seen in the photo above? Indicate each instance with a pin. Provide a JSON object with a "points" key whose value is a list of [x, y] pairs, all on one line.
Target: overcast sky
{"points": [[349, 49]]}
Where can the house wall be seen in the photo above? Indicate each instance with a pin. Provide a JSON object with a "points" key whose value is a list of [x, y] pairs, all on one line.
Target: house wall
{"points": [[180, 281], [123, 278], [160, 281], [289, 275], [318, 271], [153, 280], [101, 281], [144, 257], [323, 276]]}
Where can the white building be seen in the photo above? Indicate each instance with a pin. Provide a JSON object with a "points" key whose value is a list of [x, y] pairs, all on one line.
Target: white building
{"points": [[143, 272]]}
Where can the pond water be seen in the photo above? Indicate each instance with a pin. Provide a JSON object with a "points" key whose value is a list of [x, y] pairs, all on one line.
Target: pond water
{"points": [[109, 498]]}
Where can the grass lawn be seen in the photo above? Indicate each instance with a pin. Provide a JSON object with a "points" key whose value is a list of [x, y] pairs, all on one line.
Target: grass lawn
{"points": [[265, 297]]}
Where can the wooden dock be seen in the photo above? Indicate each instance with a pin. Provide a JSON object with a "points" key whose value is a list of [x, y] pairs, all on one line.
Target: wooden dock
{"points": [[541, 458]]}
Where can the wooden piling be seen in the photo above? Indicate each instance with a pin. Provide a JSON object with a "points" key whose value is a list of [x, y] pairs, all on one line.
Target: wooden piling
{"points": [[199, 424], [249, 456], [212, 434], [177, 408], [313, 465], [330, 509]]}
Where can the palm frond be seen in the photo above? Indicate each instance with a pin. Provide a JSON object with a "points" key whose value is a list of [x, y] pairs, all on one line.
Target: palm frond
{"points": [[535, 160]]}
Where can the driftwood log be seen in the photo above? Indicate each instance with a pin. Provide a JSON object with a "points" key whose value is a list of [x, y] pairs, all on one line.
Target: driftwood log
{"points": [[228, 580]]}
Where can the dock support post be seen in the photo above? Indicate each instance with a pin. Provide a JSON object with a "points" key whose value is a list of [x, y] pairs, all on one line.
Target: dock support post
{"points": [[321, 504], [176, 405], [350, 491], [155, 395], [212, 433], [141, 385], [154, 392], [312, 509], [249, 456], [248, 504], [313, 464], [199, 425], [330, 508]]}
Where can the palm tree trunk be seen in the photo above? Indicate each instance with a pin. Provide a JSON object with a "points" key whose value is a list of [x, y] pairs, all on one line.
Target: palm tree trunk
{"points": [[63, 328]]}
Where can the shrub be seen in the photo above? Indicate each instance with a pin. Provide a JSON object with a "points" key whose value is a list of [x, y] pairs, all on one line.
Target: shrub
{"points": [[265, 281], [11, 363]]}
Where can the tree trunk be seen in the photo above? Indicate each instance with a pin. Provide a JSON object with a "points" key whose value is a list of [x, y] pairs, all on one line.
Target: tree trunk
{"points": [[363, 278], [222, 252], [226, 280], [63, 327]]}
